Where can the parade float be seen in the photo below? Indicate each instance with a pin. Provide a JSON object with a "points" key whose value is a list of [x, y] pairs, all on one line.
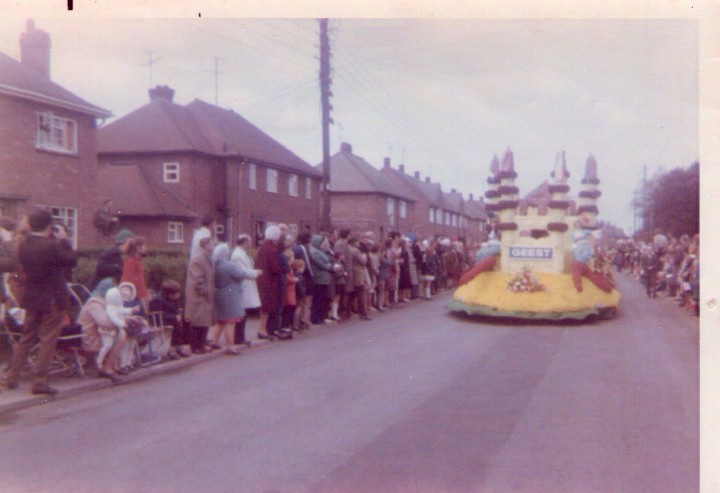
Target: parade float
{"points": [[538, 265]]}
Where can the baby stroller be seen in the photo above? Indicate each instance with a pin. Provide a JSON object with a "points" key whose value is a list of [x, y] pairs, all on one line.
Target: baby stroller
{"points": [[69, 357]]}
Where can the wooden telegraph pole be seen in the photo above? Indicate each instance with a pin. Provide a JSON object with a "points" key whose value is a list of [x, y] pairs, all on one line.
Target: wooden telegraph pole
{"points": [[325, 93]]}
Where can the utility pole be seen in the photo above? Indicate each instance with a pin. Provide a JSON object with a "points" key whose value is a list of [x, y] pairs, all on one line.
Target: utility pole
{"points": [[325, 95]]}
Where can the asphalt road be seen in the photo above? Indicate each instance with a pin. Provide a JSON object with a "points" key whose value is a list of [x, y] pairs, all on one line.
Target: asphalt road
{"points": [[414, 401]]}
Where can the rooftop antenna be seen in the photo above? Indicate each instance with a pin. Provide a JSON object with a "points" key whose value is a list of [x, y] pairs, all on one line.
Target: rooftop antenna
{"points": [[150, 63], [216, 73]]}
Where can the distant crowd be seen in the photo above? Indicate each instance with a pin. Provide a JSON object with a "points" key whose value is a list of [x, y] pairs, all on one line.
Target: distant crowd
{"points": [[667, 266]]}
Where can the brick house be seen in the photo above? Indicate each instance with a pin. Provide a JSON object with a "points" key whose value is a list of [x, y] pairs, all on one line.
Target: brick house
{"points": [[476, 220], [428, 196], [48, 153], [362, 199], [201, 159]]}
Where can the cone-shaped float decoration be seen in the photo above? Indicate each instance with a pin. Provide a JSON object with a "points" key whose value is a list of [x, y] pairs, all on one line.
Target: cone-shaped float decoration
{"points": [[590, 177], [494, 166], [560, 174]]}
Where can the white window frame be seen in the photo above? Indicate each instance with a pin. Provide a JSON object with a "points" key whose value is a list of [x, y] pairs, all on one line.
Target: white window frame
{"points": [[431, 215], [454, 219], [176, 232], [252, 176], [390, 206], [403, 209], [293, 185], [308, 188], [171, 172], [51, 133], [68, 216], [271, 180], [447, 218]]}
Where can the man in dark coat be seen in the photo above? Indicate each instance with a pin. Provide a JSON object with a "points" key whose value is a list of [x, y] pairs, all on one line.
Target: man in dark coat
{"points": [[45, 260]]}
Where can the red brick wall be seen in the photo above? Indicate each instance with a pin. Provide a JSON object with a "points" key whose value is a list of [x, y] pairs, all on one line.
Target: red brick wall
{"points": [[48, 178], [204, 184]]}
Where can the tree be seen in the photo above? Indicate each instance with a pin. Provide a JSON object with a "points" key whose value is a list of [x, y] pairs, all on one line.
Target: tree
{"points": [[673, 203]]}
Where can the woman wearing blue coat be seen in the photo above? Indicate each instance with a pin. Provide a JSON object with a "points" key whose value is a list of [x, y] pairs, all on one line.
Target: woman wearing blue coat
{"points": [[228, 297]]}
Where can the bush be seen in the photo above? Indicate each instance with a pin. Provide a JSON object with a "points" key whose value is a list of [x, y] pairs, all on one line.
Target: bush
{"points": [[159, 264]]}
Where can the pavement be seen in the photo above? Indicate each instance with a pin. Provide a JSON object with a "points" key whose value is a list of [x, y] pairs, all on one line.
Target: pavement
{"points": [[13, 400], [21, 398]]}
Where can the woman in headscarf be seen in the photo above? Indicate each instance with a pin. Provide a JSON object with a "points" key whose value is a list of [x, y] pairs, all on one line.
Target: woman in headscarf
{"points": [[268, 260], [95, 324], [228, 297]]}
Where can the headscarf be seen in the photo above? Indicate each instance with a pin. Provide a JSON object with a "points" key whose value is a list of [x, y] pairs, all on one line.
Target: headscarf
{"points": [[272, 233], [221, 252], [102, 288]]}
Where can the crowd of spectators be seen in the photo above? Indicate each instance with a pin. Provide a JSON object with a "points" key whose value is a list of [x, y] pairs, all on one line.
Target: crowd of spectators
{"points": [[667, 266], [291, 283]]}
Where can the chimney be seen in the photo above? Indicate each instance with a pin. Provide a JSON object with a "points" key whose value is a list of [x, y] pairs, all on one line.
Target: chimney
{"points": [[346, 148], [161, 92], [402, 168], [470, 197], [35, 50], [386, 162], [453, 191], [417, 175], [427, 179]]}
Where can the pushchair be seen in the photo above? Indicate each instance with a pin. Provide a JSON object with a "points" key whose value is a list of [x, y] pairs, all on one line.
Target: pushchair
{"points": [[69, 357]]}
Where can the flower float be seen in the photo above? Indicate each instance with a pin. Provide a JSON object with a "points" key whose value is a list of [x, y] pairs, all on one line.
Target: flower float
{"points": [[539, 266]]}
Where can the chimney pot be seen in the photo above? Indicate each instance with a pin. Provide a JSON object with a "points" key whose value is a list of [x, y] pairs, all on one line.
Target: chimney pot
{"points": [[346, 148], [470, 197], [453, 191], [35, 50], [417, 175], [162, 92], [386, 162], [427, 179], [402, 168]]}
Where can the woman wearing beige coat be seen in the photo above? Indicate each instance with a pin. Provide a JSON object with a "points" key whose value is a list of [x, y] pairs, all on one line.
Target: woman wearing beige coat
{"points": [[200, 295]]}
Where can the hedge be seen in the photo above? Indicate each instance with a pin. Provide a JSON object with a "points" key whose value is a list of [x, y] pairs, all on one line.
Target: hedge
{"points": [[159, 264]]}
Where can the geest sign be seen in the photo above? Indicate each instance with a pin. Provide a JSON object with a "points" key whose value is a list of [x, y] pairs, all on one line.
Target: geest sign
{"points": [[531, 253]]}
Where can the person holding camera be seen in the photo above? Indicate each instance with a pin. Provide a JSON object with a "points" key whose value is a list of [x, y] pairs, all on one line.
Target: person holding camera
{"points": [[45, 256]]}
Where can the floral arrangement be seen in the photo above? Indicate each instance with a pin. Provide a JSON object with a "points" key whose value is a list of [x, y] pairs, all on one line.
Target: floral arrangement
{"points": [[525, 282]]}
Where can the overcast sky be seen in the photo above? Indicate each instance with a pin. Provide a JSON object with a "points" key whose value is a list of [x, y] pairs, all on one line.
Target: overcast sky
{"points": [[441, 96]]}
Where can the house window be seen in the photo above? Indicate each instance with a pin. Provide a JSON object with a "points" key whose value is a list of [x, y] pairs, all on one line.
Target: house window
{"points": [[67, 216], [252, 176], [293, 185], [431, 214], [447, 218], [403, 209], [390, 207], [175, 232], [272, 178], [56, 134], [454, 220], [308, 187], [171, 172]]}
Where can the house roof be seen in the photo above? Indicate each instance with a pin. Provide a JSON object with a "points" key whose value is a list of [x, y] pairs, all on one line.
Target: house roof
{"points": [[476, 209], [18, 81], [453, 202], [352, 174], [426, 190], [164, 126], [150, 198]]}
